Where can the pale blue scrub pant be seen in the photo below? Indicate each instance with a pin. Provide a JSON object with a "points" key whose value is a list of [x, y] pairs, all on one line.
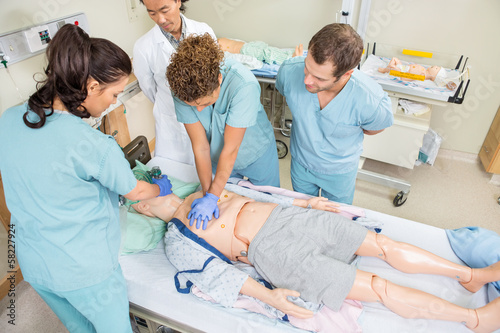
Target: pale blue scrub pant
{"points": [[264, 171], [337, 187], [101, 308]]}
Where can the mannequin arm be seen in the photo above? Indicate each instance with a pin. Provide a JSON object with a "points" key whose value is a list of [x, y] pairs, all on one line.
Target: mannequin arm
{"points": [[319, 203], [276, 298]]}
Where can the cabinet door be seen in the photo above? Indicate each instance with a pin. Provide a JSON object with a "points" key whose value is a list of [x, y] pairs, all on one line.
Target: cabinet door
{"points": [[490, 150]]}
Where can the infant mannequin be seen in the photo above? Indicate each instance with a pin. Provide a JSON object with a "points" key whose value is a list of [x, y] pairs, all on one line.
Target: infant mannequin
{"points": [[433, 73], [259, 50], [250, 217]]}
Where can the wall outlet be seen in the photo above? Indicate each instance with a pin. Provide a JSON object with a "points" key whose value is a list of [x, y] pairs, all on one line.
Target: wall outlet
{"points": [[37, 38]]}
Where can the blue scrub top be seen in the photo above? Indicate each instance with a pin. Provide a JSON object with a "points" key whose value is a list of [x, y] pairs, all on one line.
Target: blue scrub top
{"points": [[239, 106], [330, 141], [61, 183]]}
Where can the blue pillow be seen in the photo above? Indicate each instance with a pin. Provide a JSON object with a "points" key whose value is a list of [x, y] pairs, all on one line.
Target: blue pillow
{"points": [[477, 247]]}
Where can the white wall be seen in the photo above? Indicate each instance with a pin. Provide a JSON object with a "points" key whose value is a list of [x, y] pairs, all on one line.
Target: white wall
{"points": [[107, 19], [281, 23], [448, 26]]}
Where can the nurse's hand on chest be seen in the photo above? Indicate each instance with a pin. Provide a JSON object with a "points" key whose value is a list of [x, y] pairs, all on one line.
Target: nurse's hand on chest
{"points": [[202, 210]]}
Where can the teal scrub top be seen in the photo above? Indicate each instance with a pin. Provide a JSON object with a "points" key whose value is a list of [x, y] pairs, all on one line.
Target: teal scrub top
{"points": [[61, 183], [330, 141], [239, 106]]}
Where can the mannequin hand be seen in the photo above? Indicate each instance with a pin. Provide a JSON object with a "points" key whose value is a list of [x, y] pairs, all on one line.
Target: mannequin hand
{"points": [[321, 203], [164, 184], [278, 299], [202, 209]]}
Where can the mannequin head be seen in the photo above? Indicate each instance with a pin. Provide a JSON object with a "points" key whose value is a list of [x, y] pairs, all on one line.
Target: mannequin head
{"points": [[161, 207]]}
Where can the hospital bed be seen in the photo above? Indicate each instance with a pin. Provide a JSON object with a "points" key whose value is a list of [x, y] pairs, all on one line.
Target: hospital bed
{"points": [[155, 303]]}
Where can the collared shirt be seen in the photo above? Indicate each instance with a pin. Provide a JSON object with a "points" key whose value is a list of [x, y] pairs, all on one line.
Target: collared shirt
{"points": [[174, 42]]}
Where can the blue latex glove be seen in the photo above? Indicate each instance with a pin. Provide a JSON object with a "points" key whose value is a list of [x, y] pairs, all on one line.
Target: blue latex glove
{"points": [[202, 209], [164, 184]]}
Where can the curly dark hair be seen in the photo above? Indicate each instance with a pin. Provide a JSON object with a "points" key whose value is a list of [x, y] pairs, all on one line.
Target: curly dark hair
{"points": [[339, 44], [182, 9], [194, 69], [74, 58]]}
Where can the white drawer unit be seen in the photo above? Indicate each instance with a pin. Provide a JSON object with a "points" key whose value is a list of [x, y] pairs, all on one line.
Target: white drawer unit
{"points": [[399, 144]]}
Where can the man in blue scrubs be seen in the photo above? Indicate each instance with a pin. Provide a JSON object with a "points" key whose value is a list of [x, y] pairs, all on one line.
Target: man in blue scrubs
{"points": [[333, 106]]}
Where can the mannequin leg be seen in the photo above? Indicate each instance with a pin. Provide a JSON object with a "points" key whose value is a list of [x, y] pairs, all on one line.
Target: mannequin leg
{"points": [[412, 303], [411, 259]]}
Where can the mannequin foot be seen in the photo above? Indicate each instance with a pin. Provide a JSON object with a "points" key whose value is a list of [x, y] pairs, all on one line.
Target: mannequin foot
{"points": [[473, 285], [481, 276], [299, 50], [487, 317]]}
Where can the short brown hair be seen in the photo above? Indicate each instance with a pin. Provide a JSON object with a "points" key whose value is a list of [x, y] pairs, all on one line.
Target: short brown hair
{"points": [[339, 44], [194, 69]]}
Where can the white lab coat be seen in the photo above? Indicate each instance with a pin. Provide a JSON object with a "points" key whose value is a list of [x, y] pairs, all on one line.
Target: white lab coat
{"points": [[152, 54]]}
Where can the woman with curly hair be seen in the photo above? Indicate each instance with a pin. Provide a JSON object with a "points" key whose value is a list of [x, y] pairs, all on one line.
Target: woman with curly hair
{"points": [[62, 179], [219, 104]]}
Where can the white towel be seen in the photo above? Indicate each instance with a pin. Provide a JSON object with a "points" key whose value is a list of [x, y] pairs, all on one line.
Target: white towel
{"points": [[414, 108]]}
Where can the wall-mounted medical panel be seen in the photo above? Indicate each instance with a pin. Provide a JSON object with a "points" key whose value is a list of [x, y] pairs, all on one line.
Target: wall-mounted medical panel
{"points": [[24, 43]]}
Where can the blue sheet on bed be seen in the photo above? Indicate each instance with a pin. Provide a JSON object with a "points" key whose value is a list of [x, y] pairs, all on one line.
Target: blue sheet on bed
{"points": [[477, 247], [269, 71]]}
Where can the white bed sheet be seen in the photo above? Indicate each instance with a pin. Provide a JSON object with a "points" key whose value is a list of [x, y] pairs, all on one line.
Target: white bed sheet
{"points": [[150, 284]]}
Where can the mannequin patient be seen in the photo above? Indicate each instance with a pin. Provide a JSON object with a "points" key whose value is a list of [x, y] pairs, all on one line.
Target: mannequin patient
{"points": [[433, 73], [309, 251], [259, 50]]}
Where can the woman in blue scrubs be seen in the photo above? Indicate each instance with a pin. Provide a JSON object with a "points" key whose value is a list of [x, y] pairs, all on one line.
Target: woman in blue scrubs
{"points": [[62, 179], [228, 127]]}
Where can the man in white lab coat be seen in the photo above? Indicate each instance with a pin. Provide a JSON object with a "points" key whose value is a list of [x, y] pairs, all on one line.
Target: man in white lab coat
{"points": [[152, 54]]}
